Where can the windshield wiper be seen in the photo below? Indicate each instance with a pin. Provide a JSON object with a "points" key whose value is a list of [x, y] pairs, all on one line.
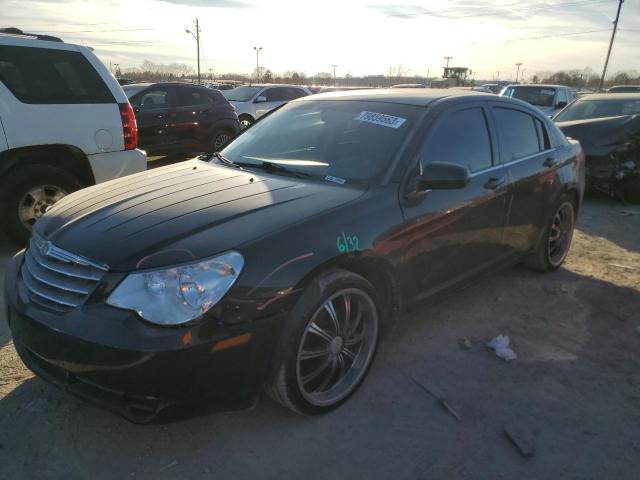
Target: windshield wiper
{"points": [[225, 160], [274, 167]]}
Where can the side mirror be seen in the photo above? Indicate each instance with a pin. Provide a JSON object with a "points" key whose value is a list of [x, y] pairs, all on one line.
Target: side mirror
{"points": [[260, 99], [443, 176], [561, 104]]}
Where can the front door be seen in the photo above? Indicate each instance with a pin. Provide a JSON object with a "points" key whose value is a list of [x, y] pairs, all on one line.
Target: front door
{"points": [[454, 233], [275, 97]]}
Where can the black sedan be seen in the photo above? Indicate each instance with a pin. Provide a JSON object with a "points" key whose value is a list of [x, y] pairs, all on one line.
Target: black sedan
{"points": [[608, 127], [279, 261], [176, 118]]}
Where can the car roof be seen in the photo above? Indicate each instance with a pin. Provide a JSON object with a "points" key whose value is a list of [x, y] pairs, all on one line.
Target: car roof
{"points": [[263, 85], [407, 96], [612, 96], [540, 85]]}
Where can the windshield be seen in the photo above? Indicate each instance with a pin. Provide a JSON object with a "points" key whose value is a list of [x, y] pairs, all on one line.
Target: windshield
{"points": [[131, 90], [339, 141], [586, 109], [241, 94], [538, 96]]}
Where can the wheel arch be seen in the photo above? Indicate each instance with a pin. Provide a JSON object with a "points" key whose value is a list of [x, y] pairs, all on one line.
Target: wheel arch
{"points": [[65, 157]]}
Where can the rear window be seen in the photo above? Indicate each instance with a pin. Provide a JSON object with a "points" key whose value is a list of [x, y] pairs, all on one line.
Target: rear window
{"points": [[45, 76], [518, 133]]}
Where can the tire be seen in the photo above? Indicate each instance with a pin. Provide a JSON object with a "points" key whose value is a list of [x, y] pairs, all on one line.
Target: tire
{"points": [[245, 121], [632, 189], [556, 239], [323, 381], [28, 192], [219, 140]]}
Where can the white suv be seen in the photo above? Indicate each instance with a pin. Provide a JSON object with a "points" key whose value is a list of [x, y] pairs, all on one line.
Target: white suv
{"points": [[65, 124], [253, 101]]}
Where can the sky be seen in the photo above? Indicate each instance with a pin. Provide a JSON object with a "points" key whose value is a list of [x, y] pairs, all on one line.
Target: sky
{"points": [[359, 36]]}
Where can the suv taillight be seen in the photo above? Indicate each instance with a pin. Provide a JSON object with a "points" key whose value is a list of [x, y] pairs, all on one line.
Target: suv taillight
{"points": [[129, 126]]}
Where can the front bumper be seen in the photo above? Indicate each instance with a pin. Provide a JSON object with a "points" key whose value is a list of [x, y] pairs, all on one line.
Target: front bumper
{"points": [[116, 360], [110, 165]]}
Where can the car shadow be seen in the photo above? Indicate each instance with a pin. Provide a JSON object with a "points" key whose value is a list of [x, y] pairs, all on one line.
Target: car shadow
{"points": [[574, 389]]}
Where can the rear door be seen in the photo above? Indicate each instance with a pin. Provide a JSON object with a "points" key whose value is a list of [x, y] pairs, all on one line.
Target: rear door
{"points": [[275, 96], [155, 118], [194, 110], [530, 164], [454, 233]]}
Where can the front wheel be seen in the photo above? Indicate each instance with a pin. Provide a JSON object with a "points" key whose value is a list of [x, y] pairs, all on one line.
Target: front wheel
{"points": [[328, 345], [556, 241]]}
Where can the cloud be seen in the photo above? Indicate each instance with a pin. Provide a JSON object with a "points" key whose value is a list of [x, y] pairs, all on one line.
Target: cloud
{"points": [[210, 3]]}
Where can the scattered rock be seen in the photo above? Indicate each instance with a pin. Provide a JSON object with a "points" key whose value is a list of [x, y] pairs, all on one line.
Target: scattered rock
{"points": [[521, 437], [464, 343]]}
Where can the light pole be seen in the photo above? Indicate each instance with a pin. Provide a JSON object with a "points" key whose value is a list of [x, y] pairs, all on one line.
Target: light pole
{"points": [[613, 35], [196, 35], [210, 74], [258, 49], [522, 76], [518, 71], [334, 74]]}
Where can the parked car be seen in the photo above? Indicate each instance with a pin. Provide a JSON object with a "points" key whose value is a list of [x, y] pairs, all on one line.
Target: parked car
{"points": [[65, 124], [549, 99], [181, 118], [409, 85], [341, 89], [220, 86], [608, 127], [280, 260], [253, 101], [494, 87], [624, 89]]}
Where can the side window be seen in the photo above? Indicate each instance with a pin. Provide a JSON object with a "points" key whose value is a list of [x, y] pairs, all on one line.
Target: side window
{"points": [[49, 76], [461, 137], [153, 99], [190, 97], [275, 94], [294, 93], [216, 97], [543, 136], [518, 133]]}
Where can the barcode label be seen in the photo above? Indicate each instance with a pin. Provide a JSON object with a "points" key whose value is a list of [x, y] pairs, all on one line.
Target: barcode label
{"points": [[380, 119]]}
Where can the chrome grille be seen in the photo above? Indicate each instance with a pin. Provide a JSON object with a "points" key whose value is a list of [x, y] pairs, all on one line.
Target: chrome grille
{"points": [[57, 279]]}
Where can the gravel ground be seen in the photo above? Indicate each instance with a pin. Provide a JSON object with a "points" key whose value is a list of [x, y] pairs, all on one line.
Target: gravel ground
{"points": [[573, 392]]}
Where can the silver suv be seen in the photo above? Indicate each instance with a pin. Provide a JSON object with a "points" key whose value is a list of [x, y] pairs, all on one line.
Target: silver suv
{"points": [[549, 99], [253, 101]]}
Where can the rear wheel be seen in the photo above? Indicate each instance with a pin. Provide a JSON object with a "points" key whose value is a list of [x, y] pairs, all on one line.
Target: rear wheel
{"points": [[329, 344], [29, 192], [219, 140], [245, 121], [556, 241]]}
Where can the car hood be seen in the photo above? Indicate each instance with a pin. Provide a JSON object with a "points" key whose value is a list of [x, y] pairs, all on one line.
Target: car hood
{"points": [[182, 212], [598, 136], [548, 111]]}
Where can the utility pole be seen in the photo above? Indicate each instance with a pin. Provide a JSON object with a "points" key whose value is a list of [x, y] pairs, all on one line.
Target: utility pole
{"points": [[257, 49], [518, 71], [613, 35], [196, 35], [334, 74]]}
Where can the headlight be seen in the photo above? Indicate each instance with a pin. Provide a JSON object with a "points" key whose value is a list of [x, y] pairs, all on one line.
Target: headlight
{"points": [[176, 295]]}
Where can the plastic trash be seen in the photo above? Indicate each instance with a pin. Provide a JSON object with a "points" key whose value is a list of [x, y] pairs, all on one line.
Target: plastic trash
{"points": [[501, 345]]}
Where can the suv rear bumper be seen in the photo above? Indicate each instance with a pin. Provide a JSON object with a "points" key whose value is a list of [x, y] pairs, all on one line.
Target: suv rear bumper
{"points": [[110, 165]]}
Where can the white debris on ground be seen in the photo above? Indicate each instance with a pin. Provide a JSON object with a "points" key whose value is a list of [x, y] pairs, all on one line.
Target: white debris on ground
{"points": [[501, 345]]}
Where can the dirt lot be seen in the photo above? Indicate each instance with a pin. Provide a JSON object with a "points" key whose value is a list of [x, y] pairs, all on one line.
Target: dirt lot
{"points": [[575, 390]]}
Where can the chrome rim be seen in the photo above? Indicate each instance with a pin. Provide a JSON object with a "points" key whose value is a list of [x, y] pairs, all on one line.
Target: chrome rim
{"points": [[221, 140], [244, 123], [35, 202], [560, 234], [337, 347]]}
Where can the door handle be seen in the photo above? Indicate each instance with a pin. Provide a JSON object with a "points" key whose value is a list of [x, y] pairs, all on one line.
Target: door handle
{"points": [[550, 162], [495, 182]]}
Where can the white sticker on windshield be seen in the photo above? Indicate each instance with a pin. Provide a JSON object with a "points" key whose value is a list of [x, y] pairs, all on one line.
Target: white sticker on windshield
{"points": [[380, 119], [339, 180], [548, 92]]}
